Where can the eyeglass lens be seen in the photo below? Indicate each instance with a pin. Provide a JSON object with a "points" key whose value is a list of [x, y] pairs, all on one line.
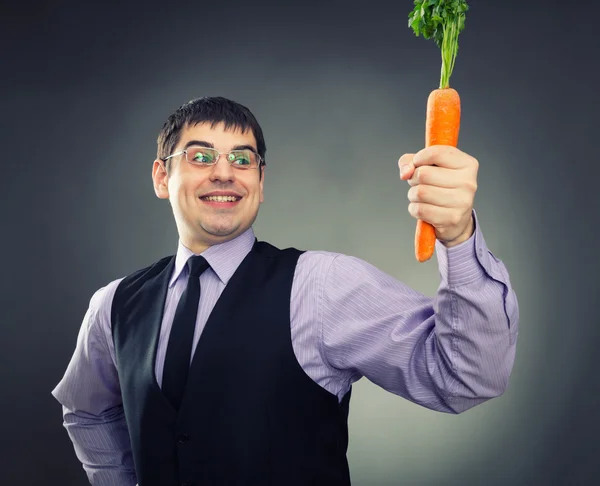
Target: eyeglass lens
{"points": [[245, 159]]}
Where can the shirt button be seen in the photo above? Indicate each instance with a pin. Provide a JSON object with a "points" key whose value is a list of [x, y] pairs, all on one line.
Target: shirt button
{"points": [[182, 439]]}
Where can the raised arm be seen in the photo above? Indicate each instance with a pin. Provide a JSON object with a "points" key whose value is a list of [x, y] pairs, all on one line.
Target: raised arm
{"points": [[447, 353]]}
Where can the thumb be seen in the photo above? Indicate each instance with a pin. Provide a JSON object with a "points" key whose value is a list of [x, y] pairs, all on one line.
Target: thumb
{"points": [[406, 170]]}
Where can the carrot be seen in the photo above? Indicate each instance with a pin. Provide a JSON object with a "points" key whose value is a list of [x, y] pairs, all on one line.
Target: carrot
{"points": [[441, 20], [441, 128]]}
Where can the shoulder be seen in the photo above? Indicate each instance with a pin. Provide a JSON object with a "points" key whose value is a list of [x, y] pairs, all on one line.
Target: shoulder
{"points": [[329, 271], [268, 250], [97, 322], [326, 262], [316, 261], [148, 271], [101, 301], [102, 298], [318, 264]]}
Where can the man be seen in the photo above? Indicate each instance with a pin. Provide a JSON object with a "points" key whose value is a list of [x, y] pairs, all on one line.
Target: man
{"points": [[231, 363]]}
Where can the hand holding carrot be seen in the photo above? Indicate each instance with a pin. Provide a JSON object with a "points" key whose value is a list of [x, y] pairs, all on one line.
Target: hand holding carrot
{"points": [[443, 182]]}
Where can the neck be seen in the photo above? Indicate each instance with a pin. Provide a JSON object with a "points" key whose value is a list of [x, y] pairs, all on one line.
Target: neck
{"points": [[199, 245]]}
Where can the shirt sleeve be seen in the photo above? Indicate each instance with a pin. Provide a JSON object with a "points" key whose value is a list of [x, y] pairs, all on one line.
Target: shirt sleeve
{"points": [[447, 353], [91, 398]]}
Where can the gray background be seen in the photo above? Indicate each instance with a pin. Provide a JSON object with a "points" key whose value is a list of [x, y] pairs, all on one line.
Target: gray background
{"points": [[340, 91]]}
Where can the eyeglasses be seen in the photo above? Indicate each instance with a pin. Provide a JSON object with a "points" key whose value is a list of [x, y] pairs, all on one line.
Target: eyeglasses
{"points": [[207, 156]]}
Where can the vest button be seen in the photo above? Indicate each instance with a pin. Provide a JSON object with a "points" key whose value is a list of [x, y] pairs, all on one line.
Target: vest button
{"points": [[182, 439]]}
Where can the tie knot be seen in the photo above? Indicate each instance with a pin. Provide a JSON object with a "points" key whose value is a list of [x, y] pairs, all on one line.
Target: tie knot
{"points": [[197, 265]]}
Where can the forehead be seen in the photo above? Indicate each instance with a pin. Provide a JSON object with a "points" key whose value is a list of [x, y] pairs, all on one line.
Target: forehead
{"points": [[219, 136]]}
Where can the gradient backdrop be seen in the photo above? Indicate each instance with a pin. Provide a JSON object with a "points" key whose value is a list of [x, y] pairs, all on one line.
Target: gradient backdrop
{"points": [[340, 90]]}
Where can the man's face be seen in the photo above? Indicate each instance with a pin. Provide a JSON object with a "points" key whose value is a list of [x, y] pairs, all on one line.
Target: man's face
{"points": [[202, 223]]}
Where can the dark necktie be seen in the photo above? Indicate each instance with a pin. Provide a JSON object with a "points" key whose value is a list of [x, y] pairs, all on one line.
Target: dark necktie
{"points": [[179, 349]]}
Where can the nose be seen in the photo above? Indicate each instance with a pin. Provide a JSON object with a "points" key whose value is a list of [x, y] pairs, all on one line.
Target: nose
{"points": [[222, 171]]}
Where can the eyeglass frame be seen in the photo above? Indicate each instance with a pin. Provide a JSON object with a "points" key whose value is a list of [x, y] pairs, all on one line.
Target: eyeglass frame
{"points": [[261, 161]]}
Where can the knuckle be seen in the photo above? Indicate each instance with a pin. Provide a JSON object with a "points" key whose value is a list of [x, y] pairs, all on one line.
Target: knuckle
{"points": [[404, 159], [473, 187], [454, 218], [469, 185], [419, 192], [414, 209], [420, 175]]}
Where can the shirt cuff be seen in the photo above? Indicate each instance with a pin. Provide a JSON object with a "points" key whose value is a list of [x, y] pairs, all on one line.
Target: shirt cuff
{"points": [[464, 263]]}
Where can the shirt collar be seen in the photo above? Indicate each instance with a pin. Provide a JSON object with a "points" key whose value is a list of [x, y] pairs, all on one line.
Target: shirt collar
{"points": [[223, 258]]}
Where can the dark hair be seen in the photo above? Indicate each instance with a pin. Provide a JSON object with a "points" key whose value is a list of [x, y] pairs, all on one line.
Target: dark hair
{"points": [[213, 110]]}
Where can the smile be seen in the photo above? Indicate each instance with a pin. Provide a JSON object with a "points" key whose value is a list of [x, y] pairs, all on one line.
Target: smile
{"points": [[221, 198], [221, 201]]}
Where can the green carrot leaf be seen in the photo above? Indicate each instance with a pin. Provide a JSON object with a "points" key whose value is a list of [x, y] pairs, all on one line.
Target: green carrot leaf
{"points": [[442, 21]]}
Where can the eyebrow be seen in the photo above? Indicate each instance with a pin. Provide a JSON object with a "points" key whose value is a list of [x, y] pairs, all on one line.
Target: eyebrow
{"points": [[202, 143]]}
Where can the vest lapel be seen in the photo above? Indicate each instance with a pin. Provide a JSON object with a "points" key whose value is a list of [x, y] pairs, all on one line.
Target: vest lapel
{"points": [[152, 312]]}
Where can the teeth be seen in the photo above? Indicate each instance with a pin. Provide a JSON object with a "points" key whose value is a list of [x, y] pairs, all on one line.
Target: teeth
{"points": [[221, 198]]}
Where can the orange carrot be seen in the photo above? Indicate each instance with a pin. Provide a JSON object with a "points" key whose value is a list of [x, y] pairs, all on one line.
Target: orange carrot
{"points": [[442, 125], [441, 20]]}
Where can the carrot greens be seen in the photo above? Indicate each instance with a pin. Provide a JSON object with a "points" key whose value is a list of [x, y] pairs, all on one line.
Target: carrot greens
{"points": [[441, 20]]}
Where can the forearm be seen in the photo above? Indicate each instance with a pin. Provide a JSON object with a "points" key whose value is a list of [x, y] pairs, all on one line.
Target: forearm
{"points": [[473, 342], [476, 323], [102, 446]]}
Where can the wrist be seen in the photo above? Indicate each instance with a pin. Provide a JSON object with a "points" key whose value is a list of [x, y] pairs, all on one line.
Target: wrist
{"points": [[464, 236]]}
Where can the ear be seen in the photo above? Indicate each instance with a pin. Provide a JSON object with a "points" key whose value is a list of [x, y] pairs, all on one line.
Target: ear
{"points": [[262, 183], [160, 179]]}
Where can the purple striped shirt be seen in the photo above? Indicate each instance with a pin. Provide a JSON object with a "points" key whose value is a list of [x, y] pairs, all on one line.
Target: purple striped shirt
{"points": [[348, 319]]}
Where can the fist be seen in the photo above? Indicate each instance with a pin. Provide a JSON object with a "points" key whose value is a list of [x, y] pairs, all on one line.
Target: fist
{"points": [[443, 182]]}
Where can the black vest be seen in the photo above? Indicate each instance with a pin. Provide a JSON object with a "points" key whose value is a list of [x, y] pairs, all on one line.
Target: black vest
{"points": [[250, 415]]}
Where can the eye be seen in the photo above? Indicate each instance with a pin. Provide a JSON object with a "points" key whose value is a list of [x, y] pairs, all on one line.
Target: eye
{"points": [[242, 158], [201, 155]]}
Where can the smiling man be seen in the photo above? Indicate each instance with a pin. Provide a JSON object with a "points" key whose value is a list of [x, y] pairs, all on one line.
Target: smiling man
{"points": [[232, 361]]}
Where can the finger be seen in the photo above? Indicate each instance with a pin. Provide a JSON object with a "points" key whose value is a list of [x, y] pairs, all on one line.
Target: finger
{"points": [[442, 156], [436, 176], [406, 166], [439, 196], [434, 215]]}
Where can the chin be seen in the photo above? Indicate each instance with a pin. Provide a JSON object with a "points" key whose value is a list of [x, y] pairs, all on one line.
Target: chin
{"points": [[221, 232]]}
